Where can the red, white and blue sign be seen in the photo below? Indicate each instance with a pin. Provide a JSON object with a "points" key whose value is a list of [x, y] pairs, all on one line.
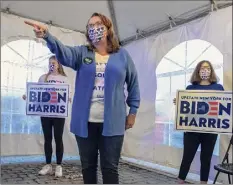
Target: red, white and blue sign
{"points": [[47, 100], [204, 111]]}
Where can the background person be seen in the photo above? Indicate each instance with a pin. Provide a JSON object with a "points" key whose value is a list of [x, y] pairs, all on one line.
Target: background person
{"points": [[203, 78], [52, 125]]}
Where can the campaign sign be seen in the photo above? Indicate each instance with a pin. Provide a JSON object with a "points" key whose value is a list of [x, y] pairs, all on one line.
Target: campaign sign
{"points": [[48, 100], [204, 111]]}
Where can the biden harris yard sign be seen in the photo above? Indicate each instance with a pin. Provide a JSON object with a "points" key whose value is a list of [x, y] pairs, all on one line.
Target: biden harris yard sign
{"points": [[204, 111], [47, 100]]}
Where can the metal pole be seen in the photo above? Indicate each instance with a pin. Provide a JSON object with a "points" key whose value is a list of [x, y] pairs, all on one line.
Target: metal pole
{"points": [[166, 26], [113, 17]]}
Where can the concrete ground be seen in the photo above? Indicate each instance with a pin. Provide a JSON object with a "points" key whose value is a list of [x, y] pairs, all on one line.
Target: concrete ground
{"points": [[28, 174]]}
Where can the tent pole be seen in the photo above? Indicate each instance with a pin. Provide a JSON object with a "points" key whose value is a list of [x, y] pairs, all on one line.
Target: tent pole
{"points": [[113, 17]]}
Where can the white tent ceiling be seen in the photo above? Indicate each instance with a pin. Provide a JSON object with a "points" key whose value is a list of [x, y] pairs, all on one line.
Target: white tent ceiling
{"points": [[131, 18]]}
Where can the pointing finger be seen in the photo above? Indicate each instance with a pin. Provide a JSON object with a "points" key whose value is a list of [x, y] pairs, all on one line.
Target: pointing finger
{"points": [[30, 23]]}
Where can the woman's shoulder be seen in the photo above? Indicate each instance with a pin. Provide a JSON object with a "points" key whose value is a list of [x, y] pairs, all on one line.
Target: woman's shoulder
{"points": [[218, 86], [123, 50], [190, 87], [42, 78], [125, 54], [63, 78], [82, 49], [43, 75]]}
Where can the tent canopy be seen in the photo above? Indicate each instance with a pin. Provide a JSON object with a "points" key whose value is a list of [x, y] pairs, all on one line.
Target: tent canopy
{"points": [[153, 138], [131, 19]]}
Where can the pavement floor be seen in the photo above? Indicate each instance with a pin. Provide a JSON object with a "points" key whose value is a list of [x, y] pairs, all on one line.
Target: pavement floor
{"points": [[27, 173]]}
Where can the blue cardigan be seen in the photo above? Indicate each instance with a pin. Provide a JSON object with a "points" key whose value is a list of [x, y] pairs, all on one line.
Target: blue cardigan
{"points": [[120, 69]]}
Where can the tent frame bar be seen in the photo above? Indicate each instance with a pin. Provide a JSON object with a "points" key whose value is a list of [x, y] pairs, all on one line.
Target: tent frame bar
{"points": [[143, 33], [167, 26], [49, 22]]}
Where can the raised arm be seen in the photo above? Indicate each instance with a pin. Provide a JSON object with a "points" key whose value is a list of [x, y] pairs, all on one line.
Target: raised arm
{"points": [[133, 99], [66, 55]]}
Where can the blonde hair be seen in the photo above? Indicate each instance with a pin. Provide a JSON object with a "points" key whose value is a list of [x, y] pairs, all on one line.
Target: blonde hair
{"points": [[112, 41], [196, 79], [60, 69]]}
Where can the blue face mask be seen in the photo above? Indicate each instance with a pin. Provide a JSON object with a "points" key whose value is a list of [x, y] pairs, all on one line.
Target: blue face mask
{"points": [[51, 67], [96, 33]]}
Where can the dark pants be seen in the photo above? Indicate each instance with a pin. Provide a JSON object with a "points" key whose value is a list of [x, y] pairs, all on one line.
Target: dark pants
{"points": [[191, 143], [109, 149], [52, 126]]}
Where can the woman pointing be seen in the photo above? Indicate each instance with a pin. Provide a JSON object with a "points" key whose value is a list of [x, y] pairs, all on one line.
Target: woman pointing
{"points": [[99, 116]]}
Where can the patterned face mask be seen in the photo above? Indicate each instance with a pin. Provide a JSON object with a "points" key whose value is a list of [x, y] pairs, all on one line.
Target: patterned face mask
{"points": [[96, 33], [51, 67], [205, 74]]}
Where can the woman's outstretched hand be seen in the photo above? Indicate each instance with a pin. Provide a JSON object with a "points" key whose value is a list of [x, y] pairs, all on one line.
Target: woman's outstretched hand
{"points": [[39, 29]]}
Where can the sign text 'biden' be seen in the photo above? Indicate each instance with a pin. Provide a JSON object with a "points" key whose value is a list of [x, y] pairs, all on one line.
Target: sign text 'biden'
{"points": [[49, 100]]}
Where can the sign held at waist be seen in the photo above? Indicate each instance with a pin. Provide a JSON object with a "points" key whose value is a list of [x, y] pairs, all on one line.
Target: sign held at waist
{"points": [[47, 100], [204, 111]]}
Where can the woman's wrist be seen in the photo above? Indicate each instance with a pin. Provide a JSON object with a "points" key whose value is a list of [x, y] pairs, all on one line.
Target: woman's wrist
{"points": [[131, 114]]}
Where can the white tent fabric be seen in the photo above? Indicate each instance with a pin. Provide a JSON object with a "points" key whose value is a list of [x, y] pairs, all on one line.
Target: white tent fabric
{"points": [[147, 54], [128, 16], [18, 144], [216, 28]]}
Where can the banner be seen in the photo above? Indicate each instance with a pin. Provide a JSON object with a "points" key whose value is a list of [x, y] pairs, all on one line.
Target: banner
{"points": [[47, 100], [204, 111]]}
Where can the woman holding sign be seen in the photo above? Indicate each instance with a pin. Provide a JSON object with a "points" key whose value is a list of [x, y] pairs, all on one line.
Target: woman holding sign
{"points": [[51, 125], [99, 117], [203, 78]]}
